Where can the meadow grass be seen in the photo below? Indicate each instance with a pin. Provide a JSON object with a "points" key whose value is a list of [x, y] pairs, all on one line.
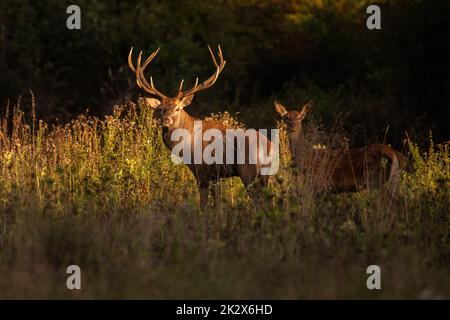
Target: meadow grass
{"points": [[104, 194]]}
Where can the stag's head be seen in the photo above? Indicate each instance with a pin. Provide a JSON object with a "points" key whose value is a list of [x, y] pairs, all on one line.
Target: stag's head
{"points": [[293, 119], [170, 110]]}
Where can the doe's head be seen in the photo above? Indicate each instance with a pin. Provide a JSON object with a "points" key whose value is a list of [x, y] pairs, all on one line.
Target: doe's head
{"points": [[293, 119]]}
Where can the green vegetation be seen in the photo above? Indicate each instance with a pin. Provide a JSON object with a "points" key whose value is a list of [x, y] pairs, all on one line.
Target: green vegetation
{"points": [[104, 194]]}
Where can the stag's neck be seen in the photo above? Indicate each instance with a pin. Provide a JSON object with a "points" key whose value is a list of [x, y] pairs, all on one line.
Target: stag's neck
{"points": [[185, 122]]}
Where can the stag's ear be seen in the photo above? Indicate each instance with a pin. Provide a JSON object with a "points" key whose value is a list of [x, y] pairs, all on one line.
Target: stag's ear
{"points": [[187, 100], [152, 103], [305, 109], [280, 109]]}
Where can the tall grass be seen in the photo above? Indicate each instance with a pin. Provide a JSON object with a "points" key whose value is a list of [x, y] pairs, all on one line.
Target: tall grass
{"points": [[104, 194]]}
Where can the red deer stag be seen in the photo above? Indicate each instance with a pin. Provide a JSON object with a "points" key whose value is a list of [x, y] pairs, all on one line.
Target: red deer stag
{"points": [[170, 112], [346, 169]]}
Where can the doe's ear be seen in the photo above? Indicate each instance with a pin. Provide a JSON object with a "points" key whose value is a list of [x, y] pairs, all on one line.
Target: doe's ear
{"points": [[306, 108], [152, 103], [279, 108], [187, 100]]}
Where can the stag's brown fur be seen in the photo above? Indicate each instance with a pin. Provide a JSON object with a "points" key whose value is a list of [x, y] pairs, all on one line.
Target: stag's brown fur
{"points": [[169, 111], [207, 173], [347, 169]]}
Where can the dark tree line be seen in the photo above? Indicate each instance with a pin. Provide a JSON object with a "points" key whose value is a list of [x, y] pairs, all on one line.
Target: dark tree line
{"points": [[292, 50]]}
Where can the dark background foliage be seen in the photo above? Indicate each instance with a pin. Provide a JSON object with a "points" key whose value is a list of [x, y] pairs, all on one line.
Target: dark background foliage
{"points": [[292, 50]]}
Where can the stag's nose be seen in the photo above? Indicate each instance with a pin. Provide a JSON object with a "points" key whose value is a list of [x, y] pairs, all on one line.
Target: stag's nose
{"points": [[167, 122]]}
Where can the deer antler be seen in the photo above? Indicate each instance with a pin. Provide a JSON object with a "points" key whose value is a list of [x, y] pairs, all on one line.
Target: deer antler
{"points": [[139, 71], [210, 81], [150, 87]]}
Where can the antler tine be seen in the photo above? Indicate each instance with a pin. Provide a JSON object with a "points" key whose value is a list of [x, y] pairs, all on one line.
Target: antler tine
{"points": [[136, 70], [138, 65], [130, 63], [212, 56], [181, 86], [151, 82], [220, 51], [150, 58], [139, 71], [141, 80], [152, 86], [211, 80]]}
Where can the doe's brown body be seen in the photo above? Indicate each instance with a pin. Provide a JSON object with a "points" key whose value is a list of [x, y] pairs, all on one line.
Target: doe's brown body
{"points": [[347, 170]]}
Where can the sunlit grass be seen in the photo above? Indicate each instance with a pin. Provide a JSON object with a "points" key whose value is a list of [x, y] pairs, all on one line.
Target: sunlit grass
{"points": [[104, 194]]}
